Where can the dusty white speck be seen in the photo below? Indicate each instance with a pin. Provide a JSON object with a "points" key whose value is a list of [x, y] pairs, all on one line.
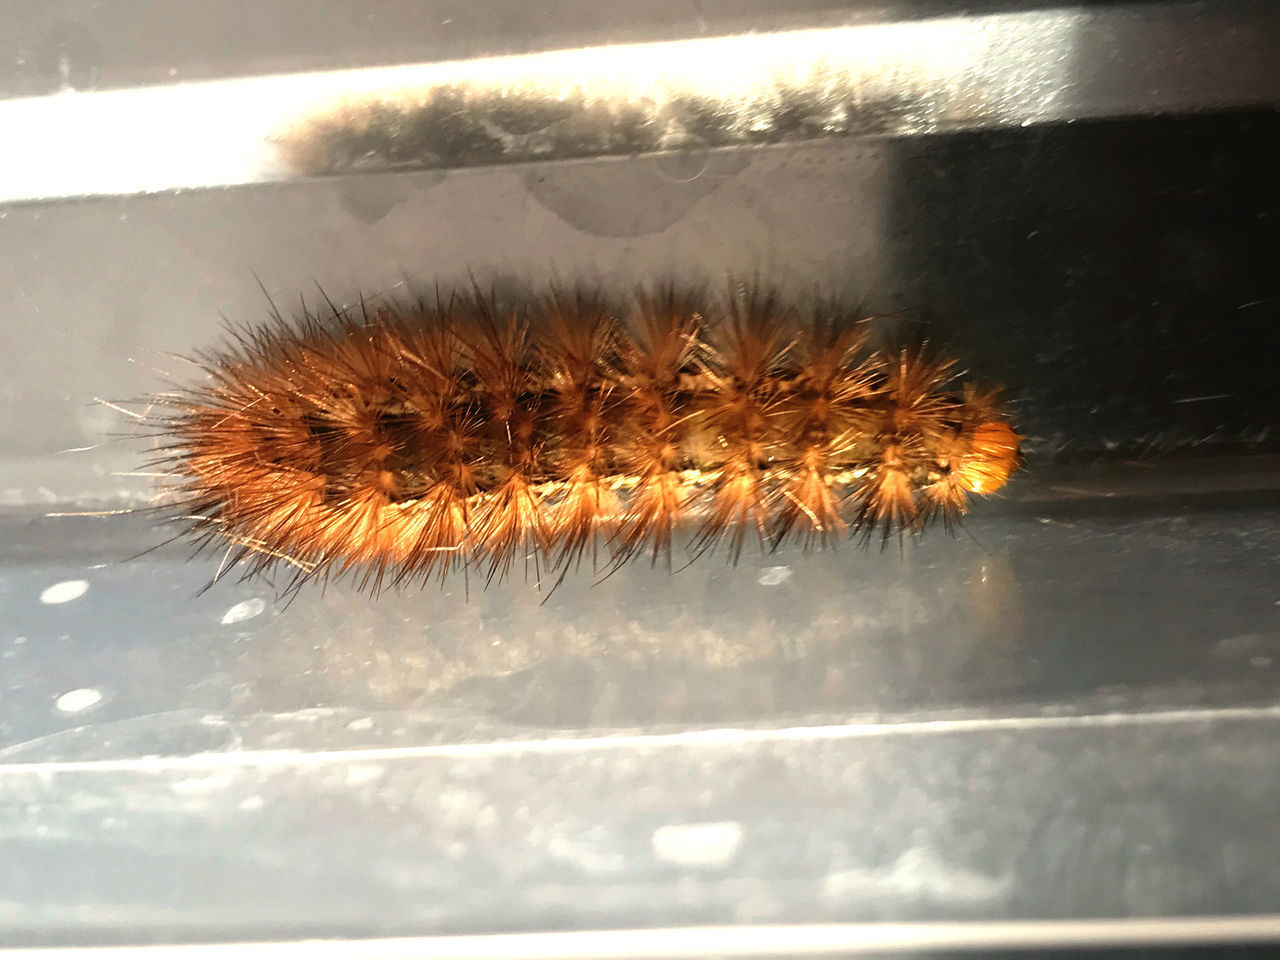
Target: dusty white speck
{"points": [[200, 784], [74, 701], [361, 723], [362, 773], [64, 592], [17, 641], [1260, 661], [919, 873], [772, 576], [486, 818], [460, 804], [711, 844], [252, 803], [591, 851], [244, 610]]}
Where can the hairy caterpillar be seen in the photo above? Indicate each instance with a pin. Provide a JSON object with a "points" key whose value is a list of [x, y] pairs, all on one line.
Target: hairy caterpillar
{"points": [[397, 443]]}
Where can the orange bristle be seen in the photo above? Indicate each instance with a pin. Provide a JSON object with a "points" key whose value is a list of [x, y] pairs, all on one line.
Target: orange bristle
{"points": [[821, 413], [744, 369]]}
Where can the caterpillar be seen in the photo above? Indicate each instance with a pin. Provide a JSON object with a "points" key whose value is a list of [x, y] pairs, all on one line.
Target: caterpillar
{"points": [[395, 443]]}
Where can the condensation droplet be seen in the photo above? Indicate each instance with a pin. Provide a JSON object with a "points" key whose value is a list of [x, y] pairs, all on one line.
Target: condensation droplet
{"points": [[76, 701], [772, 576], [64, 592], [697, 844], [244, 610]]}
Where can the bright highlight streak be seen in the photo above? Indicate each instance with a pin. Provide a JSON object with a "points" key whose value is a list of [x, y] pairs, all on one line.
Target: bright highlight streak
{"points": [[988, 70]]}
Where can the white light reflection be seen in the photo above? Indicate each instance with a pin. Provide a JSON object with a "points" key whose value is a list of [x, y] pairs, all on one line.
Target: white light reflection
{"points": [[998, 69]]}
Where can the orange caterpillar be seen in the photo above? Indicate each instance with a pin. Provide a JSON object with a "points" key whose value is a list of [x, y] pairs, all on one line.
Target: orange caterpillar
{"points": [[398, 443]]}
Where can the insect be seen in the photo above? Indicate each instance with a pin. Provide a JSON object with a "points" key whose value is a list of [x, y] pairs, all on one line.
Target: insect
{"points": [[397, 443]]}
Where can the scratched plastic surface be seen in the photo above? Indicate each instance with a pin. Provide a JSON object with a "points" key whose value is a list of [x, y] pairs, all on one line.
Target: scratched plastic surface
{"points": [[1069, 711]]}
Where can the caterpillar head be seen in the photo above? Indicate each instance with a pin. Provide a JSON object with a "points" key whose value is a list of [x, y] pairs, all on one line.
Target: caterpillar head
{"points": [[992, 456]]}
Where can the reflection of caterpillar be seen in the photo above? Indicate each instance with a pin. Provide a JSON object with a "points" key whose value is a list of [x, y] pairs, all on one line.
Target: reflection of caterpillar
{"points": [[401, 442], [623, 100]]}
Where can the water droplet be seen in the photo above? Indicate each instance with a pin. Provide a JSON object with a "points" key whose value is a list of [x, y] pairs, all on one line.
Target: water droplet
{"points": [[244, 610], [76, 701], [64, 592]]}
